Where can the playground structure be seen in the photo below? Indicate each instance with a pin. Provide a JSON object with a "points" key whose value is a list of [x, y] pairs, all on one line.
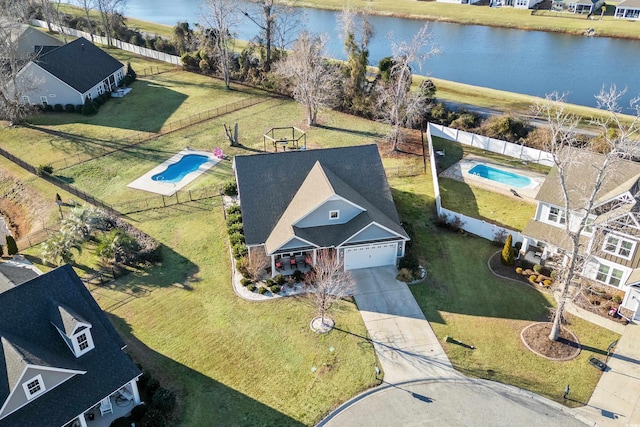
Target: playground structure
{"points": [[286, 137]]}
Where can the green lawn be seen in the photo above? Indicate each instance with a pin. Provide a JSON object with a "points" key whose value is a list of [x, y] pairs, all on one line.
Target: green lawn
{"points": [[463, 299]]}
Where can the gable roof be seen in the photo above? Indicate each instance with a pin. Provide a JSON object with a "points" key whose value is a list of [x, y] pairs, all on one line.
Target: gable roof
{"points": [[269, 184], [581, 175], [27, 314], [80, 64], [13, 274]]}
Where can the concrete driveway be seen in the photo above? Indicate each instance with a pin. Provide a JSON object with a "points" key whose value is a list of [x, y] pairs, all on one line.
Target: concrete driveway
{"points": [[406, 345]]}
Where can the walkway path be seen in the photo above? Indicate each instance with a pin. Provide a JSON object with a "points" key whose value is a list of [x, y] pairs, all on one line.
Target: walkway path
{"points": [[616, 399]]}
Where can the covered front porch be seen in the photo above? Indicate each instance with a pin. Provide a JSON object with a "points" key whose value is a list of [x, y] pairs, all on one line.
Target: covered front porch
{"points": [[118, 404], [287, 263]]}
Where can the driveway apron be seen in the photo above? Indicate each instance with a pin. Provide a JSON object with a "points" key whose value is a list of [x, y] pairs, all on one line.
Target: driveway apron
{"points": [[406, 346]]}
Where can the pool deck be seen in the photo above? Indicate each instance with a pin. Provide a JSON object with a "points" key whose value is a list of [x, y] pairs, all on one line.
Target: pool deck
{"points": [[460, 172], [145, 182]]}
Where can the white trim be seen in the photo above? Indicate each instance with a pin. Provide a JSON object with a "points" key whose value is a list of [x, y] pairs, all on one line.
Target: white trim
{"points": [[561, 215], [76, 344], [11, 395], [369, 225], [49, 368], [39, 382], [618, 246], [292, 237], [332, 198]]}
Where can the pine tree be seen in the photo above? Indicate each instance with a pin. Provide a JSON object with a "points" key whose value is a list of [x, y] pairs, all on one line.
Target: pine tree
{"points": [[508, 256], [12, 247]]}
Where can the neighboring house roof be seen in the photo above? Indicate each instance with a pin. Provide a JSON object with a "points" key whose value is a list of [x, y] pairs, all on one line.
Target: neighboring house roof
{"points": [[28, 315], [629, 4], [80, 64], [30, 40], [552, 235], [581, 175], [12, 275], [277, 189]]}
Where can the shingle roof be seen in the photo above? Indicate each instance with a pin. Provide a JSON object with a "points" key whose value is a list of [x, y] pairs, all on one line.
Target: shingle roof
{"points": [[629, 4], [552, 235], [267, 183], [28, 336], [581, 175], [12, 275], [80, 64]]}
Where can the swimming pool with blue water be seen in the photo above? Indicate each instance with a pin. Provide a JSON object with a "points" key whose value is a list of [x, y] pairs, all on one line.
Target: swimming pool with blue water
{"points": [[498, 175], [178, 170]]}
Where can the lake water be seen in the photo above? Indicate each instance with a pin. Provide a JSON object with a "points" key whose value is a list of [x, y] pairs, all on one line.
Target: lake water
{"points": [[529, 62]]}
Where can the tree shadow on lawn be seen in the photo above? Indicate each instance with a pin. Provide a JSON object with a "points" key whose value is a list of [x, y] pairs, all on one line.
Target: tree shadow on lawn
{"points": [[214, 402], [146, 109]]}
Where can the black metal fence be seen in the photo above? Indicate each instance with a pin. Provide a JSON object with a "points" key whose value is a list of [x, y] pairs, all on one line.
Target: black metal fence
{"points": [[159, 202]]}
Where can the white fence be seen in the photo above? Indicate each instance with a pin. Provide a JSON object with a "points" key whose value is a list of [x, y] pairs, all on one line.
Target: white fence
{"points": [[480, 227], [494, 145], [149, 53], [471, 225]]}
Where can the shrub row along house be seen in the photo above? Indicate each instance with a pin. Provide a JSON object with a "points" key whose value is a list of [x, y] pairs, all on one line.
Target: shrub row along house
{"points": [[68, 74], [610, 243], [298, 202], [62, 361]]}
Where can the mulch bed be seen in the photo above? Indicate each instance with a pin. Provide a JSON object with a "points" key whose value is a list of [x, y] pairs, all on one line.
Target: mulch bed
{"points": [[536, 338], [509, 272]]}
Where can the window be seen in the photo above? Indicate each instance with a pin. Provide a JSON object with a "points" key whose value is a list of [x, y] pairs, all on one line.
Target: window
{"points": [[588, 226], [25, 99], [334, 214], [556, 215], [618, 246], [43, 99], [34, 387], [100, 89], [609, 275], [83, 344]]}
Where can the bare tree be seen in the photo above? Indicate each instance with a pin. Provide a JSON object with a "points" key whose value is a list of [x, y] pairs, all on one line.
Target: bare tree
{"points": [[13, 106], [221, 17], [257, 261], [87, 6], [580, 198], [109, 9], [328, 282], [398, 105], [315, 80]]}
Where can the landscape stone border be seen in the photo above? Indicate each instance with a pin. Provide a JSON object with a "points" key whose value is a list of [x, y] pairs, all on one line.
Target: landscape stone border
{"points": [[557, 359]]}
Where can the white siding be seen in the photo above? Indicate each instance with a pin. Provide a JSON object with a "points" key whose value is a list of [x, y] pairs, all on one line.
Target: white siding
{"points": [[320, 216]]}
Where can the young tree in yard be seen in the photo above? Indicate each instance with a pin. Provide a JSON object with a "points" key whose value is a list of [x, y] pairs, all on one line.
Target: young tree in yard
{"points": [[328, 282], [356, 33], [580, 199], [80, 222], [397, 104], [116, 246], [257, 261], [12, 247], [508, 257], [315, 80], [221, 17], [57, 249]]}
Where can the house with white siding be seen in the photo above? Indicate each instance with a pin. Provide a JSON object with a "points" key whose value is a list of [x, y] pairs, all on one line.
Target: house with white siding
{"points": [[610, 243], [69, 74]]}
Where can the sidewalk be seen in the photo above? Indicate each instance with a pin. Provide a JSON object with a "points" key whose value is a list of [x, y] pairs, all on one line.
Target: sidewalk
{"points": [[616, 399]]}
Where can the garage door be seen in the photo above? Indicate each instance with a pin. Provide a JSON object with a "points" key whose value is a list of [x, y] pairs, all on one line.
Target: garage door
{"points": [[370, 256]]}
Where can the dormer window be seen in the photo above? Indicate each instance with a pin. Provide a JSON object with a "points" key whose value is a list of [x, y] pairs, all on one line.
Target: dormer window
{"points": [[34, 387], [82, 342], [334, 214]]}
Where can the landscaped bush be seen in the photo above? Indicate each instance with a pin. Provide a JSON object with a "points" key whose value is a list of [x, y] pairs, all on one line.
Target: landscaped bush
{"points": [[537, 268], [500, 237], [262, 290], [164, 400], [48, 108], [89, 108], [533, 277], [70, 108], [519, 270], [79, 108], [239, 250], [58, 108], [152, 386], [234, 219], [408, 262], [617, 298], [150, 250], [508, 257], [245, 282], [405, 275], [234, 209], [154, 418], [269, 282], [137, 413], [235, 228], [275, 289], [298, 276], [99, 100], [230, 188], [41, 169], [546, 283], [121, 422], [236, 238], [279, 280], [251, 288], [12, 247]]}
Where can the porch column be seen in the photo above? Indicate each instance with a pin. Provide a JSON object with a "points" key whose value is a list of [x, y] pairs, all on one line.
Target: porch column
{"points": [[314, 256], [134, 391], [83, 422], [273, 266]]}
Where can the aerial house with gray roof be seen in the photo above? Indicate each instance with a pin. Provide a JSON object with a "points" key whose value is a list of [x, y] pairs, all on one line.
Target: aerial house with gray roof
{"points": [[298, 202]]}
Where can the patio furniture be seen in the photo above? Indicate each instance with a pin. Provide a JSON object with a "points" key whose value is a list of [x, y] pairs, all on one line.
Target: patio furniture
{"points": [[286, 262], [293, 262], [105, 406], [307, 261], [126, 394], [300, 261]]}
